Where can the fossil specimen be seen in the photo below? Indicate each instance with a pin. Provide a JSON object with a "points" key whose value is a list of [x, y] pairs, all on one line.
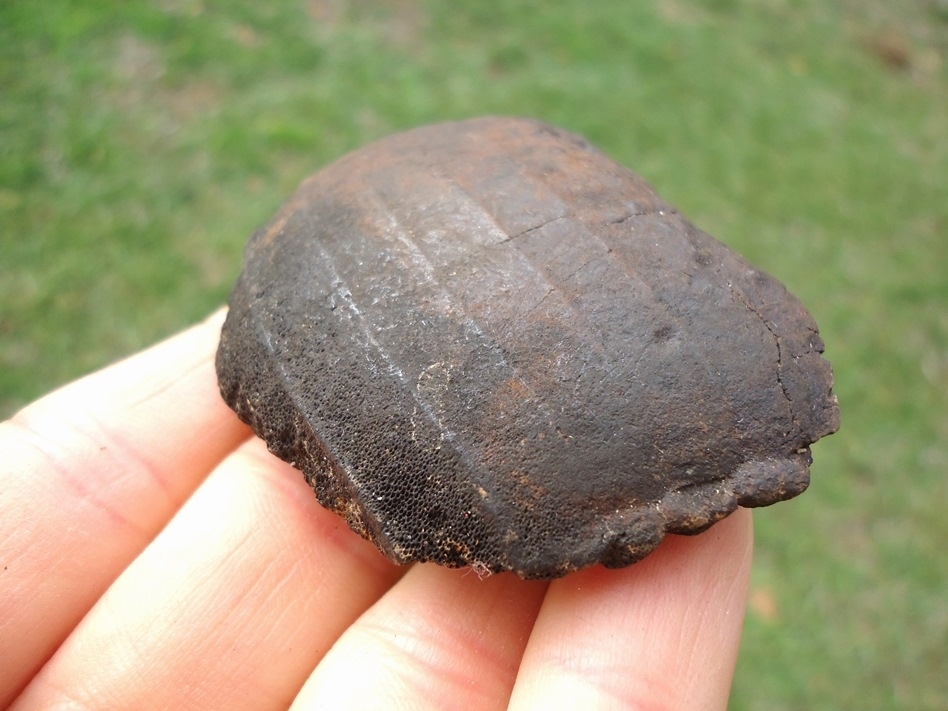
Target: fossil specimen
{"points": [[485, 343]]}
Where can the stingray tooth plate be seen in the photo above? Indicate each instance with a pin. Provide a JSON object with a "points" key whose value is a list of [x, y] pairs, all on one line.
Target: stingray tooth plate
{"points": [[485, 343]]}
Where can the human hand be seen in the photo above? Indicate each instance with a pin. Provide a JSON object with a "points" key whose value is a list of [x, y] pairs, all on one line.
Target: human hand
{"points": [[154, 555]]}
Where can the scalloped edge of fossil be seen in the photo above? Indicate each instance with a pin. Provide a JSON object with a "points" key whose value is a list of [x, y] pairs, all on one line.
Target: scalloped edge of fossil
{"points": [[622, 538], [631, 534]]}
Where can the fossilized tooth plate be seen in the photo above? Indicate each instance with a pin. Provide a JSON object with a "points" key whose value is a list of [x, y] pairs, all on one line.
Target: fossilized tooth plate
{"points": [[485, 343]]}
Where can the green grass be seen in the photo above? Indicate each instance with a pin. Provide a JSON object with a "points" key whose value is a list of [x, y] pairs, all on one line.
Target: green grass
{"points": [[141, 143]]}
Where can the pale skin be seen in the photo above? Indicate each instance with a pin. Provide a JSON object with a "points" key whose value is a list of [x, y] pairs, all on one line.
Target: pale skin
{"points": [[153, 555]]}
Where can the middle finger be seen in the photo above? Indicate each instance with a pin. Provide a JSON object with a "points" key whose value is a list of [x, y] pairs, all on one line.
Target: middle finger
{"points": [[439, 639]]}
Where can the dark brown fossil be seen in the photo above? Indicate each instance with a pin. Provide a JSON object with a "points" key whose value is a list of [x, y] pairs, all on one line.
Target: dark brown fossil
{"points": [[484, 343]]}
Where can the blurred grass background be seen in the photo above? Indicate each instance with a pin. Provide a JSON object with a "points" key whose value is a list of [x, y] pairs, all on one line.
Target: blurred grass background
{"points": [[141, 143]]}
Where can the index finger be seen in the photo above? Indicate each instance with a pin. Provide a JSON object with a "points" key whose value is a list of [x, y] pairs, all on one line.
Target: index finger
{"points": [[90, 474]]}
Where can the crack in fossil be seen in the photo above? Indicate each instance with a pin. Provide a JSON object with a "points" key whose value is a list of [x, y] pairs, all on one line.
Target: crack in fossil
{"points": [[527, 231], [643, 213], [783, 388]]}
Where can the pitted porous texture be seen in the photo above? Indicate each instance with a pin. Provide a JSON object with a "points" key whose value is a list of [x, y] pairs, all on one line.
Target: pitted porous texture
{"points": [[485, 343]]}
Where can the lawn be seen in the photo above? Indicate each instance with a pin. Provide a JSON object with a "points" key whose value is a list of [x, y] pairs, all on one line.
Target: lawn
{"points": [[141, 144]]}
